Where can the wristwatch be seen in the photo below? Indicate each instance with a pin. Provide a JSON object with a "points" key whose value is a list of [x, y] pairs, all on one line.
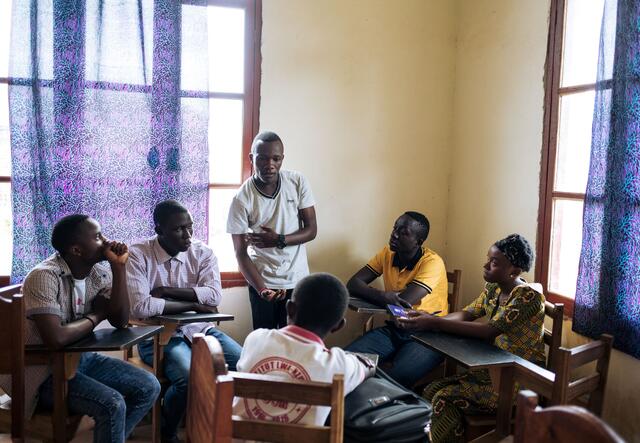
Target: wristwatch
{"points": [[282, 243]]}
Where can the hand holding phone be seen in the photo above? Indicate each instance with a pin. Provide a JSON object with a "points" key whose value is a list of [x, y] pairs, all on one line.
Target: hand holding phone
{"points": [[397, 311]]}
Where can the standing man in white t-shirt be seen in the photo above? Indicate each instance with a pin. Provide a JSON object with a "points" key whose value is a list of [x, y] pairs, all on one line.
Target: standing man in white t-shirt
{"points": [[270, 219]]}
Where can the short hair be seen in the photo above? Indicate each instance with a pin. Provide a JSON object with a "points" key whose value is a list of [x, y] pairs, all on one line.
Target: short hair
{"points": [[166, 209], [265, 137], [423, 223], [321, 300], [65, 231], [517, 250]]}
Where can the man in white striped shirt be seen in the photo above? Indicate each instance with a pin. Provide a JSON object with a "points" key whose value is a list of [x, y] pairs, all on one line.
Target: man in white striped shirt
{"points": [[171, 273]]}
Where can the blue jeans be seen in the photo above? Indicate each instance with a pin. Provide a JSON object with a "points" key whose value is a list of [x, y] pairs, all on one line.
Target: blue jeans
{"points": [[411, 360], [177, 363], [116, 394]]}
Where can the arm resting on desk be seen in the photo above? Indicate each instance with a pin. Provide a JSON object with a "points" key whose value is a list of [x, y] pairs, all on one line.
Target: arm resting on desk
{"points": [[178, 307], [56, 336], [459, 323], [143, 305], [358, 286], [207, 289]]}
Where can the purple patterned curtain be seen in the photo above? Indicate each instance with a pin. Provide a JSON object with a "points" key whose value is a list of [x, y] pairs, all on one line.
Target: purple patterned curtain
{"points": [[608, 288], [99, 121]]}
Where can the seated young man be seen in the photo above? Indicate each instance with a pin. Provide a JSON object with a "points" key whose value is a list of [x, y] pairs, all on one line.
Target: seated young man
{"points": [[171, 273], [317, 307], [65, 297], [414, 276]]}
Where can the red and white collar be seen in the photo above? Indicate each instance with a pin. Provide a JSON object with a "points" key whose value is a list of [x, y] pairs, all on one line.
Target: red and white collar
{"points": [[303, 333]]}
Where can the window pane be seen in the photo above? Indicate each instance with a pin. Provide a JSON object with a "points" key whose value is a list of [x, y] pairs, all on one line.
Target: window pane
{"points": [[581, 41], [5, 32], [115, 37], [219, 240], [5, 147], [226, 49], [566, 239], [574, 142], [193, 55], [21, 63], [225, 141], [6, 239]]}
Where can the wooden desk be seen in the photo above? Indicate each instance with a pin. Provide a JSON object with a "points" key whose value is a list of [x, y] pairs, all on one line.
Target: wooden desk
{"points": [[171, 322], [469, 352], [362, 306], [192, 317], [477, 354], [64, 363]]}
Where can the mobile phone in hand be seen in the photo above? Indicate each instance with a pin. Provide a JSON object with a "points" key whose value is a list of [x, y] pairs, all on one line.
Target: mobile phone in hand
{"points": [[397, 311]]}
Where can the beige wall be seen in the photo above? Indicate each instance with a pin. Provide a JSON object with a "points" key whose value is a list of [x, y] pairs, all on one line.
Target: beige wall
{"points": [[360, 91], [498, 107], [429, 105]]}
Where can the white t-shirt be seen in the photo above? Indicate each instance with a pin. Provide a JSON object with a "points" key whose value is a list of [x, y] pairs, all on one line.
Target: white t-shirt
{"points": [[250, 209], [79, 296], [294, 353]]}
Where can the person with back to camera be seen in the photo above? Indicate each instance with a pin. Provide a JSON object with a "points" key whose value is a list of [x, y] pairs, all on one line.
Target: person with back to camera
{"points": [[297, 351]]}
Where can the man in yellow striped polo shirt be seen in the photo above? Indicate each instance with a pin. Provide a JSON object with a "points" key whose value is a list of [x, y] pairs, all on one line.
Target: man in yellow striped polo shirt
{"points": [[414, 277]]}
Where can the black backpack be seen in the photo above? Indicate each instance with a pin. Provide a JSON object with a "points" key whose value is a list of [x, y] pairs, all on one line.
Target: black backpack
{"points": [[381, 410]]}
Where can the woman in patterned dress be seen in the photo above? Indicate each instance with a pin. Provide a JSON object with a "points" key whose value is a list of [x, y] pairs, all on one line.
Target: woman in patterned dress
{"points": [[515, 311]]}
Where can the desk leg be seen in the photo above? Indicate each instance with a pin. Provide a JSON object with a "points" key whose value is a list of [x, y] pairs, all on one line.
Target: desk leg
{"points": [[505, 401], [156, 411], [59, 398]]}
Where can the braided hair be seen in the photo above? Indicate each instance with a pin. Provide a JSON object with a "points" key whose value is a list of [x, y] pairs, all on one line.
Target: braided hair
{"points": [[517, 250]]}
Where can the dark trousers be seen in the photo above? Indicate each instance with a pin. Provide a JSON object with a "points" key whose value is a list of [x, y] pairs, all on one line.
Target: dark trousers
{"points": [[268, 315]]}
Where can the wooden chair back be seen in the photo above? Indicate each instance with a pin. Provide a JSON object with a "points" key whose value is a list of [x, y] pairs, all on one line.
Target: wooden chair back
{"points": [[568, 424], [558, 387], [12, 360], [566, 390], [553, 336], [455, 279], [211, 392], [57, 425]]}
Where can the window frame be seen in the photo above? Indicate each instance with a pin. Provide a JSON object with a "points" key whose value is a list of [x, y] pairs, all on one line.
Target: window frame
{"points": [[553, 93], [250, 98], [5, 279]]}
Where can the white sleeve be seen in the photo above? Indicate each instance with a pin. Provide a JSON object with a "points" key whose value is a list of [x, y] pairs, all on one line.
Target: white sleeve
{"points": [[306, 196], [353, 369], [249, 348], [238, 219]]}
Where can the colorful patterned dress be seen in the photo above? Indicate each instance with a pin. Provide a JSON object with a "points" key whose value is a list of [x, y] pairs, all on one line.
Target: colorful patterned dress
{"points": [[520, 318]]}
